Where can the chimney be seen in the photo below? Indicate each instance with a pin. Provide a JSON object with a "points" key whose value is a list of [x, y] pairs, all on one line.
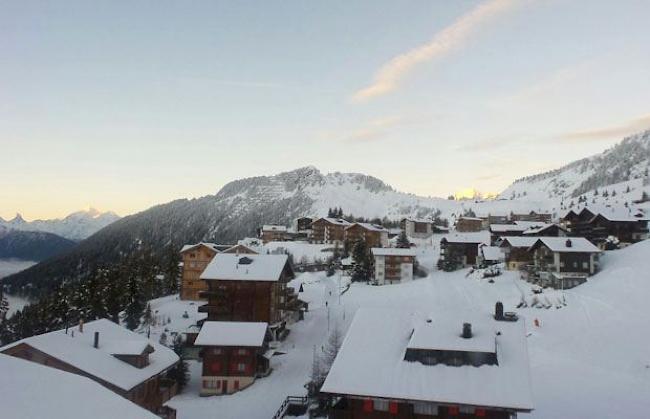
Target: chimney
{"points": [[81, 325], [568, 243], [467, 330], [498, 310], [96, 343]]}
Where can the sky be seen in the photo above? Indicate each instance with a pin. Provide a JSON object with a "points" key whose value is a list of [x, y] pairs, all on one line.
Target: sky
{"points": [[121, 105]]}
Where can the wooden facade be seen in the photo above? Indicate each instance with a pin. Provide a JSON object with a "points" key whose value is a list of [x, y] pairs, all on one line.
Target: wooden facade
{"points": [[469, 224], [150, 394], [328, 230], [560, 269], [348, 407], [254, 301], [373, 236], [421, 229], [273, 233], [228, 369], [195, 259], [458, 254], [532, 216]]}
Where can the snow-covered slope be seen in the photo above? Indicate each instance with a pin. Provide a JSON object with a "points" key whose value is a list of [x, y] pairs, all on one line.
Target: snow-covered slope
{"points": [[76, 226], [627, 162]]}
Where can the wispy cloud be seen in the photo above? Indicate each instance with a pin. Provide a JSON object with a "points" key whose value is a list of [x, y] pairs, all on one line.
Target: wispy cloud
{"points": [[374, 129], [452, 37], [616, 131]]}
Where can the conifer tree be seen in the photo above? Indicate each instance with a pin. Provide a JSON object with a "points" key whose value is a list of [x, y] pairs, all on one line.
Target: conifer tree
{"points": [[134, 304], [362, 263], [403, 241]]}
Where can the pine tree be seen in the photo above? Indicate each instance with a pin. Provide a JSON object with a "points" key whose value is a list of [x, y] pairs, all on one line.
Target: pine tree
{"points": [[362, 263], [134, 304], [403, 241], [181, 372], [147, 318], [4, 306]]}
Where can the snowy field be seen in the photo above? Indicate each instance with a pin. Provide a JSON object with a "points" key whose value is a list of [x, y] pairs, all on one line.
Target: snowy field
{"points": [[8, 267], [589, 358]]}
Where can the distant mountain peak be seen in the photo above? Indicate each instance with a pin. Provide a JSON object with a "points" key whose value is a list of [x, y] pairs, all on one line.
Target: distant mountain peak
{"points": [[76, 226], [18, 219]]}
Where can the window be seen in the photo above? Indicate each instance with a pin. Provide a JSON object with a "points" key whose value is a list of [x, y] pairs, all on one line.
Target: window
{"points": [[380, 405], [211, 384], [585, 265], [241, 367], [420, 408], [242, 351], [217, 351]]}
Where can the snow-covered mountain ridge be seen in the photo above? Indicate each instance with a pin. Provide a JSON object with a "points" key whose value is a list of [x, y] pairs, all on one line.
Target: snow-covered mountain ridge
{"points": [[627, 161], [76, 226]]}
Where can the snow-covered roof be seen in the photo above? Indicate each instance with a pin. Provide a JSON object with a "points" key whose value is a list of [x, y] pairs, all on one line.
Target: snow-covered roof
{"points": [[470, 218], [336, 221], [446, 336], [236, 247], [492, 253], [504, 228], [532, 224], [371, 360], [270, 227], [30, 390], [542, 228], [392, 251], [418, 220], [559, 244], [464, 238], [232, 334], [76, 348], [248, 267], [212, 246], [517, 241], [369, 227]]}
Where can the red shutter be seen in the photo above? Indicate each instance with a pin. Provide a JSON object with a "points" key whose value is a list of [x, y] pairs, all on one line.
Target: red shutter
{"points": [[367, 405], [392, 407], [480, 413], [236, 384], [215, 367], [453, 410]]}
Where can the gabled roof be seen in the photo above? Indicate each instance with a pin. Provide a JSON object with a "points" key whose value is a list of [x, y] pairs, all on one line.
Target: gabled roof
{"points": [[371, 361], [543, 228], [368, 226], [504, 228], [249, 267], [335, 221], [392, 251], [76, 348], [232, 334], [559, 244], [233, 249], [211, 246], [418, 220], [463, 238], [516, 241], [30, 390], [492, 253]]}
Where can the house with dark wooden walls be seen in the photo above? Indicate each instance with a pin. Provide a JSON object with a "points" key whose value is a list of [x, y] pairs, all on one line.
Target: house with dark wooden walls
{"points": [[563, 262], [423, 365], [252, 288], [328, 230], [233, 354], [373, 235], [469, 224], [459, 251], [124, 362]]}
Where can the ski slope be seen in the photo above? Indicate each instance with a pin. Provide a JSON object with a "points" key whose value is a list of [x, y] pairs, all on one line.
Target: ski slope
{"points": [[589, 358]]}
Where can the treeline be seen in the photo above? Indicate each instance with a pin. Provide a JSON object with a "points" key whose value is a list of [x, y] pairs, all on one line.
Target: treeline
{"points": [[119, 292]]}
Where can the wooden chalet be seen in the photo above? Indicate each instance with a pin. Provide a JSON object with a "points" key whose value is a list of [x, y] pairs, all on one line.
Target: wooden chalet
{"points": [[252, 288], [417, 228], [563, 262], [273, 233], [328, 230], [489, 255], [373, 235], [524, 228], [302, 224], [234, 354], [393, 265], [469, 224], [516, 251], [597, 224], [195, 257], [124, 362], [429, 366], [241, 249], [459, 251], [532, 216]]}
